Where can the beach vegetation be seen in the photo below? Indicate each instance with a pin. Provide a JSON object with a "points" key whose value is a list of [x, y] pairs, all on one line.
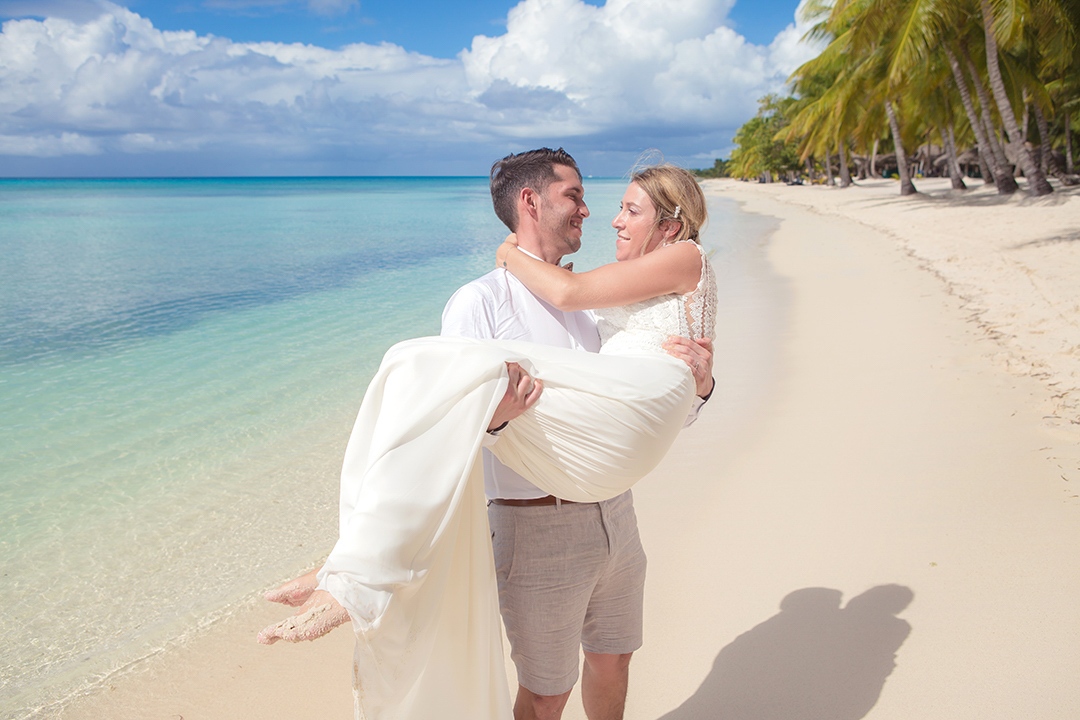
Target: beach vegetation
{"points": [[720, 169], [966, 88], [759, 153]]}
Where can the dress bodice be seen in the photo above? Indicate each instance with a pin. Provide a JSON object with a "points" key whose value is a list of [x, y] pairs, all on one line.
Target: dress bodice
{"points": [[644, 326]]}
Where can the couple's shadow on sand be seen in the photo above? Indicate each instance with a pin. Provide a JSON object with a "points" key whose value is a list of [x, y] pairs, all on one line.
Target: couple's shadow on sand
{"points": [[814, 660]]}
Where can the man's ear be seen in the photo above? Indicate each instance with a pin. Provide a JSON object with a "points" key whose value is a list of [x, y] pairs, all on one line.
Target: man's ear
{"points": [[529, 201]]}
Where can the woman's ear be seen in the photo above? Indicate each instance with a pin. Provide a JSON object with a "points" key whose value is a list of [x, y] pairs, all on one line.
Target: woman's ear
{"points": [[669, 229]]}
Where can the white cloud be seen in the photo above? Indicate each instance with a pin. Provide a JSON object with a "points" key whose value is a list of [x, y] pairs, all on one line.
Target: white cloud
{"points": [[49, 145], [788, 50], [630, 72]]}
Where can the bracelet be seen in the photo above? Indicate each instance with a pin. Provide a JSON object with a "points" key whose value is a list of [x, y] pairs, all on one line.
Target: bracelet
{"points": [[495, 431]]}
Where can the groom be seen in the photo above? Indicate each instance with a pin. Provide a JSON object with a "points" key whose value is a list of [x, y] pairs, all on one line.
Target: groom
{"points": [[570, 575]]}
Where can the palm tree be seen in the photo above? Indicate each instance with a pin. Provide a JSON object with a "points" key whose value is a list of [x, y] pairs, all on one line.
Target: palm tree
{"points": [[1036, 179], [907, 187], [758, 152], [915, 31], [888, 63], [1065, 93], [1003, 179], [856, 64]]}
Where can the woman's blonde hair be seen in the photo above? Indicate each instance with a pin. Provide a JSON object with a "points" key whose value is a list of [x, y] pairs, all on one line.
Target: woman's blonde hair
{"points": [[677, 196]]}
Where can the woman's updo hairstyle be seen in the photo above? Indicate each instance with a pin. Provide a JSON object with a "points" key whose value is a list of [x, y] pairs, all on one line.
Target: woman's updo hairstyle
{"points": [[677, 196]]}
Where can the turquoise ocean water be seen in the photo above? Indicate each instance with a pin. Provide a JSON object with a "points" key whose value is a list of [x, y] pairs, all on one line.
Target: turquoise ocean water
{"points": [[180, 365]]}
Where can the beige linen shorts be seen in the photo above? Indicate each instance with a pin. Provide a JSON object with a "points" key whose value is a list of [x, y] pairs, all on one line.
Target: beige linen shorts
{"points": [[569, 576]]}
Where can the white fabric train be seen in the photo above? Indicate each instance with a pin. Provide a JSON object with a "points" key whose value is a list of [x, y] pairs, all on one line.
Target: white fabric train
{"points": [[413, 564]]}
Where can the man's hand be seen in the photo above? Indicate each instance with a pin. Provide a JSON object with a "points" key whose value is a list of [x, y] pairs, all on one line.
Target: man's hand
{"points": [[698, 355], [521, 394], [318, 616]]}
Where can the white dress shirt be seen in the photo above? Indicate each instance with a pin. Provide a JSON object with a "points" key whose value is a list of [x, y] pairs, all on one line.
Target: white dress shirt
{"points": [[497, 306]]}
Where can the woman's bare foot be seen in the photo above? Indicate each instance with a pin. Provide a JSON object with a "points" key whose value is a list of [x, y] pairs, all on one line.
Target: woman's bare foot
{"points": [[321, 614], [295, 592]]}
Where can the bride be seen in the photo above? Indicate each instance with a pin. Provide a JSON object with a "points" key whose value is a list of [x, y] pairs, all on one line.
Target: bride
{"points": [[412, 568]]}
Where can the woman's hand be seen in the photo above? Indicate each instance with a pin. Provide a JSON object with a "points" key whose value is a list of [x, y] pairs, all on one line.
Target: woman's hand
{"points": [[316, 617], [507, 246]]}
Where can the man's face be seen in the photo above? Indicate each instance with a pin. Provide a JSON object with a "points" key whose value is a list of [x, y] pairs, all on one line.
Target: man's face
{"points": [[562, 210]]}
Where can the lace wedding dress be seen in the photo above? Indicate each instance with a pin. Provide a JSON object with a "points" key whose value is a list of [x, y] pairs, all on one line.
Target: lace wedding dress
{"points": [[413, 563]]}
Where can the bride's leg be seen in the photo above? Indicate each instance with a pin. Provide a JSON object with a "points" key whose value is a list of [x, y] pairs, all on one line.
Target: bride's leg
{"points": [[295, 592]]}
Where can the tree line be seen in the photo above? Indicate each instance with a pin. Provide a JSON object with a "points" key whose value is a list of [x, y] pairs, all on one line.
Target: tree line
{"points": [[987, 88]]}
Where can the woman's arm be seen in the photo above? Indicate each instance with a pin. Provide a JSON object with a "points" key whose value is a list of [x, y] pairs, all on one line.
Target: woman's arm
{"points": [[674, 268]]}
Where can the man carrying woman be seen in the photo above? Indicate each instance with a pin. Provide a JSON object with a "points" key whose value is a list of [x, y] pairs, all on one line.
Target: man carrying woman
{"points": [[568, 572]]}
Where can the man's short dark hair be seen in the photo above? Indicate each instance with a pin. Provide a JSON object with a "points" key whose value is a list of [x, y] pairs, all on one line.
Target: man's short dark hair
{"points": [[532, 169]]}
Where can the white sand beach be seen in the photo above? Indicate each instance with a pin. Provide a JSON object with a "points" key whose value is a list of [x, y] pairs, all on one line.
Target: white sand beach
{"points": [[878, 514], [917, 446]]}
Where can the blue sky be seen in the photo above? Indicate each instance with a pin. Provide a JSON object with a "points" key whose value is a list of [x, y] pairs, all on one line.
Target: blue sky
{"points": [[369, 87]]}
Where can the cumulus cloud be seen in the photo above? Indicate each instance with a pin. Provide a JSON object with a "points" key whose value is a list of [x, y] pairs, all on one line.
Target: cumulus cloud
{"points": [[788, 50], [611, 77], [628, 62]]}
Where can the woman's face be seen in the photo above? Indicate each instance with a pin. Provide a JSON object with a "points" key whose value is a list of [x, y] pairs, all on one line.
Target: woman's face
{"points": [[635, 225]]}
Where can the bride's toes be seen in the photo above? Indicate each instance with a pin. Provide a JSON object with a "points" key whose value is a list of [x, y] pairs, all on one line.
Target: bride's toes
{"points": [[309, 625], [291, 594], [295, 592]]}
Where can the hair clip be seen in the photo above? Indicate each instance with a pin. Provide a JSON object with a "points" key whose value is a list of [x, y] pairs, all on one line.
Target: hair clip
{"points": [[676, 215]]}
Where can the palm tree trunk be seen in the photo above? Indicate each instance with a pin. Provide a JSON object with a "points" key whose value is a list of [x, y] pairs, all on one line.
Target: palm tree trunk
{"points": [[1068, 144], [991, 171], [1003, 176], [1036, 180], [1046, 154], [955, 175], [873, 162], [845, 173], [906, 186], [828, 168], [984, 168]]}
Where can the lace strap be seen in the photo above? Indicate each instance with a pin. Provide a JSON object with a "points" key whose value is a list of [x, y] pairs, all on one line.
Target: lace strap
{"points": [[699, 306]]}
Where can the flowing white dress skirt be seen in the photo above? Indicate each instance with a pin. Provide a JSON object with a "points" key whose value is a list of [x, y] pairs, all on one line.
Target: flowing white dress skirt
{"points": [[413, 564]]}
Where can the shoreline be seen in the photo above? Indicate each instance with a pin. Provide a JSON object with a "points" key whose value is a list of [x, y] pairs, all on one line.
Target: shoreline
{"points": [[890, 527], [1016, 280], [1012, 261]]}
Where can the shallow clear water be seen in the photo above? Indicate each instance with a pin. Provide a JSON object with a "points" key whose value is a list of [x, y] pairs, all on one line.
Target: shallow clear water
{"points": [[180, 365]]}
